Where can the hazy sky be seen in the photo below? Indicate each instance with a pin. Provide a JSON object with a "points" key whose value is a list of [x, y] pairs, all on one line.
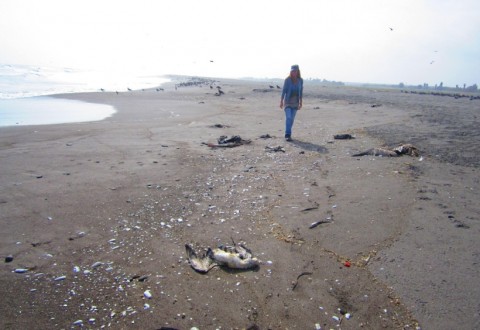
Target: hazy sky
{"points": [[432, 41]]}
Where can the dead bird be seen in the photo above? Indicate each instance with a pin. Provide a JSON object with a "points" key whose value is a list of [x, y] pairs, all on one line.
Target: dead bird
{"points": [[403, 149], [343, 137], [237, 256], [407, 149], [201, 264], [226, 142], [275, 149], [383, 152]]}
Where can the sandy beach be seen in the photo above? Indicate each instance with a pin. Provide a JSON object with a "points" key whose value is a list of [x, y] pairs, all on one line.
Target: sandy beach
{"points": [[95, 214]]}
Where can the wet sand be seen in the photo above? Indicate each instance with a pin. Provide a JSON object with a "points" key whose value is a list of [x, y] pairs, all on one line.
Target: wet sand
{"points": [[119, 198]]}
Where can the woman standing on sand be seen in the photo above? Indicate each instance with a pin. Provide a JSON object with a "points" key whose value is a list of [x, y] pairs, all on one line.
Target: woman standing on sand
{"points": [[292, 95]]}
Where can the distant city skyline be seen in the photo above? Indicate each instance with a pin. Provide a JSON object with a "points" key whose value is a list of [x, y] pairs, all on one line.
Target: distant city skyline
{"points": [[372, 41]]}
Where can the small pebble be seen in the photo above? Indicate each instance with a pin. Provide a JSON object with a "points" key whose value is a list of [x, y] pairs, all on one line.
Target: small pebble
{"points": [[9, 258]]}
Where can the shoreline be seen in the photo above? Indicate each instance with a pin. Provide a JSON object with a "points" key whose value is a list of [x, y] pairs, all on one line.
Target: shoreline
{"points": [[81, 193]]}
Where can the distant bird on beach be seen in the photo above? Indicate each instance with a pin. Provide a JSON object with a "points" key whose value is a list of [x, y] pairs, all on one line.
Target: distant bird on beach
{"points": [[102, 89], [391, 29], [129, 89], [278, 87], [271, 86], [211, 61]]}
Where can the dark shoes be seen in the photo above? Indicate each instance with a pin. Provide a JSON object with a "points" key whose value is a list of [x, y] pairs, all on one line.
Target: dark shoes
{"points": [[288, 137]]}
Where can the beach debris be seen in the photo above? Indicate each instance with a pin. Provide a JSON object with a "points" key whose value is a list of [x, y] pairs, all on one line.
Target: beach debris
{"points": [[265, 136], [79, 234], [275, 149], [310, 208], [219, 126], [263, 90], [97, 264], [35, 244], [316, 223], [9, 258], [295, 283], [403, 149], [147, 294], [21, 270], [226, 142], [78, 322], [376, 105], [347, 263], [237, 256], [343, 137]]}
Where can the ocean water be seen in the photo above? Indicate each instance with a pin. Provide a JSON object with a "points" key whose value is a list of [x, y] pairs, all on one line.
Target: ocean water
{"points": [[22, 85]]}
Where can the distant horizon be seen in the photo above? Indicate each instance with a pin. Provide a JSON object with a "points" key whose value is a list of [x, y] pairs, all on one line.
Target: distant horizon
{"points": [[30, 80]]}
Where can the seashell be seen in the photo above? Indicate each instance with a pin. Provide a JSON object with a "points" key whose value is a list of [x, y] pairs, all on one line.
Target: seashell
{"points": [[21, 270], [146, 306], [76, 269], [91, 321], [60, 278], [147, 294], [336, 318], [97, 264], [78, 322], [348, 316]]}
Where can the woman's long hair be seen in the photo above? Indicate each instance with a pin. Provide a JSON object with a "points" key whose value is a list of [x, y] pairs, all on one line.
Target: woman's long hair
{"points": [[299, 76]]}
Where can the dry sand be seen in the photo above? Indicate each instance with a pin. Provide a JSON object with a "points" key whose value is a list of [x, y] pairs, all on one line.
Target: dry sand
{"points": [[131, 190]]}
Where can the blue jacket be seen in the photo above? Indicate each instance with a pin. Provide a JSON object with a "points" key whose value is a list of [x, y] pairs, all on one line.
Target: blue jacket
{"points": [[289, 87]]}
